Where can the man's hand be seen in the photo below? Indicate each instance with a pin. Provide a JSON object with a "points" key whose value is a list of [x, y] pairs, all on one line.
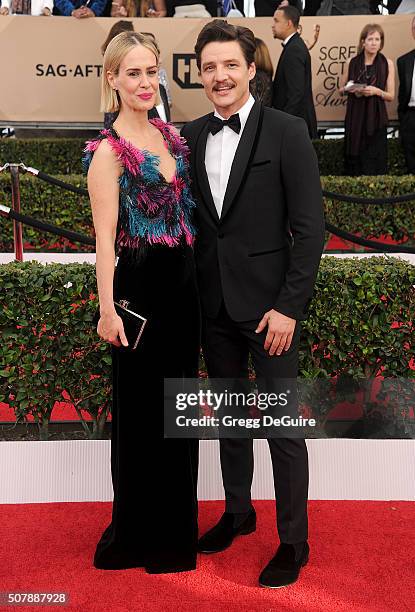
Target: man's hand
{"points": [[280, 331], [86, 13], [83, 12], [4, 10]]}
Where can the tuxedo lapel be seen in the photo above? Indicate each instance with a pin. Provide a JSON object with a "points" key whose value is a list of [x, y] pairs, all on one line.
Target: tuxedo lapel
{"points": [[409, 73], [283, 55], [201, 174], [246, 148]]}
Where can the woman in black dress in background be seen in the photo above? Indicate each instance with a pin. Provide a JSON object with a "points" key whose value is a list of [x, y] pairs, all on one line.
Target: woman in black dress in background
{"points": [[261, 85], [141, 202], [366, 116]]}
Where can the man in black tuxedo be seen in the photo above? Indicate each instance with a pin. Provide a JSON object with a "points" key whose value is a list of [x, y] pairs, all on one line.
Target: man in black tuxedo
{"points": [[311, 7], [260, 237], [291, 88], [406, 104]]}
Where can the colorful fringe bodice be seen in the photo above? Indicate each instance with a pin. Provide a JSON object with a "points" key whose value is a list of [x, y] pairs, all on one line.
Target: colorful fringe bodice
{"points": [[152, 210]]}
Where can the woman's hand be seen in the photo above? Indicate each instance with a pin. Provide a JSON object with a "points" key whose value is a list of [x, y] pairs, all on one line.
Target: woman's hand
{"points": [[152, 13], [4, 10], [111, 329], [369, 90]]}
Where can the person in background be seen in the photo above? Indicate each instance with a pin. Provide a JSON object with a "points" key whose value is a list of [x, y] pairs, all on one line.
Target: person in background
{"points": [[162, 107], [392, 5], [266, 8], [365, 127], [311, 7], [117, 28], [27, 7], [152, 8], [189, 8], [292, 91], [261, 85], [406, 104], [80, 9], [135, 8], [123, 8], [348, 7], [406, 7]]}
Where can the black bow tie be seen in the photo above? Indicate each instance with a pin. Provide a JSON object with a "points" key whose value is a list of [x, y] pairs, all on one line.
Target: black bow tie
{"points": [[216, 124]]}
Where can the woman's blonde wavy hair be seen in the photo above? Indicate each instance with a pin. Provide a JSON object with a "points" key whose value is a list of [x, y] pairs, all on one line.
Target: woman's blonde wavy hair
{"points": [[117, 49]]}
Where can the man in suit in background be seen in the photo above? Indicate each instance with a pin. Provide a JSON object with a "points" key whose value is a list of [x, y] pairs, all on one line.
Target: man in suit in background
{"points": [[311, 7], [260, 235], [292, 90], [406, 104]]}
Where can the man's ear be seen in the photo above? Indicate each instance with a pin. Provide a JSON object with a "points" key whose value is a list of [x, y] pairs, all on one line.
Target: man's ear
{"points": [[252, 71]]}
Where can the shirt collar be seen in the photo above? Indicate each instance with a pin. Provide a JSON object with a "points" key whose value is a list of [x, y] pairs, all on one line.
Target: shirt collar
{"points": [[288, 38], [243, 112]]}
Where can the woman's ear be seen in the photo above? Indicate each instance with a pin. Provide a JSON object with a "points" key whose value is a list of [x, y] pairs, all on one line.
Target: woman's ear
{"points": [[111, 79]]}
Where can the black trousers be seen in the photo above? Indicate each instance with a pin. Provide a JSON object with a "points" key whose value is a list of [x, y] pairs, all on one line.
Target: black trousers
{"points": [[407, 131], [226, 347]]}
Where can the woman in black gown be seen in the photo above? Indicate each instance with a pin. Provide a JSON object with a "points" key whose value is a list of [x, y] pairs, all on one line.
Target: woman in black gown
{"points": [[141, 202]]}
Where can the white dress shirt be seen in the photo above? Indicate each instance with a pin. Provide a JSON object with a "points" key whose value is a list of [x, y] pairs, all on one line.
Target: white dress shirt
{"points": [[220, 151], [288, 38], [412, 98]]}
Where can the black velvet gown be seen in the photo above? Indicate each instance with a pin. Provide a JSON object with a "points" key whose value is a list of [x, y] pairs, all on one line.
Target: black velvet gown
{"points": [[154, 516]]}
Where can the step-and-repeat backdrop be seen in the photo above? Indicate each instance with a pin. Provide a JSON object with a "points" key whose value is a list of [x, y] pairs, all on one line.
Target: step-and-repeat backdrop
{"points": [[51, 67]]}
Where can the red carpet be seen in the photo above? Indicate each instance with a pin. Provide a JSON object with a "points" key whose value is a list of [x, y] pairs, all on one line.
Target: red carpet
{"points": [[361, 559]]}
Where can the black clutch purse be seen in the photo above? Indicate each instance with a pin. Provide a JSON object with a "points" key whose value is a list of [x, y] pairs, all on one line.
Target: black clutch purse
{"points": [[133, 322]]}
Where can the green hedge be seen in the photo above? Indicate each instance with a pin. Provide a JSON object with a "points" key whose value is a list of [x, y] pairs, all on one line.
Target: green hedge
{"points": [[361, 324], [72, 211], [49, 203], [396, 221], [331, 158], [63, 155]]}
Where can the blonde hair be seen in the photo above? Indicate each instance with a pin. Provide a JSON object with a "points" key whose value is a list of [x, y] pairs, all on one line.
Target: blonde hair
{"points": [[117, 49], [370, 28]]}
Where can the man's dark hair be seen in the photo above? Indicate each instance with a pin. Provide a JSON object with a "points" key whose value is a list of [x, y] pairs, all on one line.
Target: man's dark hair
{"points": [[219, 30], [291, 13]]}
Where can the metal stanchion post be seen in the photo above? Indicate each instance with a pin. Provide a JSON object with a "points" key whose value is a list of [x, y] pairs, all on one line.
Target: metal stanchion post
{"points": [[17, 227]]}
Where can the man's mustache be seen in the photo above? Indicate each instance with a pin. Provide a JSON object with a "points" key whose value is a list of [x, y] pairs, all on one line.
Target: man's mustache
{"points": [[221, 85]]}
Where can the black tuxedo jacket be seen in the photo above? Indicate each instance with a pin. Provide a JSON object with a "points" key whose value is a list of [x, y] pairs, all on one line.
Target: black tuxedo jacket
{"points": [[265, 249], [291, 88], [405, 71]]}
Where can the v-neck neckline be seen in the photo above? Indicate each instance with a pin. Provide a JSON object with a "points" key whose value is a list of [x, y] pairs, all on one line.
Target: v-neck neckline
{"points": [[150, 153]]}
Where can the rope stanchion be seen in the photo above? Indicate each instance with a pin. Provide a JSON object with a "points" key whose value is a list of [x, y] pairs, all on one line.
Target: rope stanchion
{"points": [[359, 200], [84, 239], [5, 211], [54, 181], [327, 194], [372, 244]]}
